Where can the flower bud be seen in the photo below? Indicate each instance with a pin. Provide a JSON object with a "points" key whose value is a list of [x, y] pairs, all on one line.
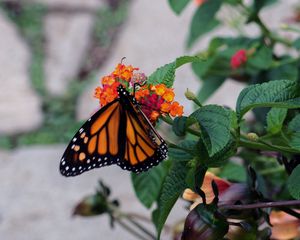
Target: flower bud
{"points": [[252, 136], [91, 206], [201, 224], [189, 95]]}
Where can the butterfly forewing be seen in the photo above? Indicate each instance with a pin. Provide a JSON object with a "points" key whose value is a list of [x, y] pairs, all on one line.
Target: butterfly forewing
{"points": [[97, 143]]}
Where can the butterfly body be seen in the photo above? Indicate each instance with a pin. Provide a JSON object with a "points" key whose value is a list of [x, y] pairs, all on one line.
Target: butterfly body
{"points": [[119, 133]]}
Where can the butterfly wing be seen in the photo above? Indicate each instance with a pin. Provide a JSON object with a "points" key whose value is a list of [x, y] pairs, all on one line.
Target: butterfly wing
{"points": [[119, 133], [99, 142], [144, 148]]}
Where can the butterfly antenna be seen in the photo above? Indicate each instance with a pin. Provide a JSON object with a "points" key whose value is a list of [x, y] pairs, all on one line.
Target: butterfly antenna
{"points": [[123, 58]]}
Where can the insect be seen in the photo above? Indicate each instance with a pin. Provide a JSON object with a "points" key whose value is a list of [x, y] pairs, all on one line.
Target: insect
{"points": [[119, 133]]}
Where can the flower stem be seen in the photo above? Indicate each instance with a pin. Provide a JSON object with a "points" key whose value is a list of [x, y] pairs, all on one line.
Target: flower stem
{"points": [[130, 219], [118, 215], [264, 29], [262, 145], [272, 170], [130, 230], [262, 205]]}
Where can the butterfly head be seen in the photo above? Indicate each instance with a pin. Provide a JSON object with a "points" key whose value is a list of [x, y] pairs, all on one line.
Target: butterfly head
{"points": [[122, 91]]}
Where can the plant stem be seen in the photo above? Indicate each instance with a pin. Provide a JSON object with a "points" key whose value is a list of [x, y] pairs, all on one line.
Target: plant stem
{"points": [[264, 29], [129, 229], [262, 145], [119, 215], [130, 219], [262, 205], [272, 170]]}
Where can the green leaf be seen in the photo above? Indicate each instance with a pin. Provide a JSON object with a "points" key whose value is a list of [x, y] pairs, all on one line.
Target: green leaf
{"points": [[180, 125], [147, 185], [262, 59], [220, 158], [166, 73], [294, 128], [285, 70], [280, 93], [293, 183], [216, 65], [184, 151], [172, 188], [296, 44], [234, 172], [209, 86], [204, 20], [178, 5], [275, 119], [215, 123], [195, 176]]}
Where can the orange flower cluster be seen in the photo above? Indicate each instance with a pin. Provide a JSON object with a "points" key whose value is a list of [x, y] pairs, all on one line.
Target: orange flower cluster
{"points": [[157, 100], [154, 99], [110, 83]]}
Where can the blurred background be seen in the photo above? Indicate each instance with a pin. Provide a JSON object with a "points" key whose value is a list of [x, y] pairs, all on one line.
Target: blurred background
{"points": [[52, 55]]}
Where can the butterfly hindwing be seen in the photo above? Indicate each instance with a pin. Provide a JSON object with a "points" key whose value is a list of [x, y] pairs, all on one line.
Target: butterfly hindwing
{"points": [[119, 133], [144, 148]]}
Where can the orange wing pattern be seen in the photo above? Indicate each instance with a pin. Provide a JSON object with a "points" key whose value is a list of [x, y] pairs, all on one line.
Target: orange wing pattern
{"points": [[96, 144], [118, 133]]}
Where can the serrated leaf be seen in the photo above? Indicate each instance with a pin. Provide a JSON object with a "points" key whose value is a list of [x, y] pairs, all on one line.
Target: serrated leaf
{"points": [[173, 187], [220, 158], [180, 125], [147, 185], [293, 183], [294, 128], [184, 151], [215, 124], [275, 119], [203, 20], [178, 5], [280, 94], [166, 73]]}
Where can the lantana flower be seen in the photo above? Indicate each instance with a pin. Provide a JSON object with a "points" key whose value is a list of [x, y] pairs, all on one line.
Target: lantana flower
{"points": [[154, 100], [238, 59]]}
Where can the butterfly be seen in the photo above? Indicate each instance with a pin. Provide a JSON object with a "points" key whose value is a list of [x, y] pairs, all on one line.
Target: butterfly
{"points": [[119, 133]]}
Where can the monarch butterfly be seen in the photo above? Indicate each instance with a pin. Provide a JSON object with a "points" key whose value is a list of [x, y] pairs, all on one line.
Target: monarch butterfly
{"points": [[119, 133]]}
